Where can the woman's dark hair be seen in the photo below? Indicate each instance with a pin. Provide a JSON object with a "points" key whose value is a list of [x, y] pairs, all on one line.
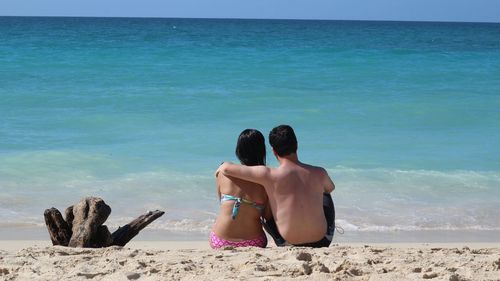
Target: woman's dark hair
{"points": [[283, 140], [251, 148]]}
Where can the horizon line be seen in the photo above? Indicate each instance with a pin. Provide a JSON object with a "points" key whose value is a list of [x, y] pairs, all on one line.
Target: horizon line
{"points": [[237, 18]]}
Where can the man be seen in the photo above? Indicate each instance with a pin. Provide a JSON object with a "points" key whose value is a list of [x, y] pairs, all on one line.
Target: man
{"points": [[295, 192]]}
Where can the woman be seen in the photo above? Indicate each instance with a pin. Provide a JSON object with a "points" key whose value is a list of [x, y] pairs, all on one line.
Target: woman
{"points": [[242, 202]]}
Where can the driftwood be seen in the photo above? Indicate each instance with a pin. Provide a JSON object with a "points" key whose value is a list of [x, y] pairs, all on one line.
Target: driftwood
{"points": [[102, 238], [60, 232], [68, 215], [125, 233], [83, 226], [89, 214]]}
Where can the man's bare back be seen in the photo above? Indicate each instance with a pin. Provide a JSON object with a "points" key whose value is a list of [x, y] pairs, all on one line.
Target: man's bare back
{"points": [[295, 192]]}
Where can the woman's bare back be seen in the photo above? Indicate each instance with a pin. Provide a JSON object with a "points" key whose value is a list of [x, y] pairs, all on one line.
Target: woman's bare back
{"points": [[246, 224]]}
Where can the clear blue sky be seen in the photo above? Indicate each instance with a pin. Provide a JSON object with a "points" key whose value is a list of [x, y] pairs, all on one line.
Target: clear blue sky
{"points": [[417, 10]]}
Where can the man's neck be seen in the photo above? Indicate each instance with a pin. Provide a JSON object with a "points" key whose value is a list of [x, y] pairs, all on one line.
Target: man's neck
{"points": [[289, 159]]}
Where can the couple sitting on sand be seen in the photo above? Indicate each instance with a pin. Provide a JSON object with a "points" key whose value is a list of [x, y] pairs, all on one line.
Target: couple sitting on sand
{"points": [[292, 202]]}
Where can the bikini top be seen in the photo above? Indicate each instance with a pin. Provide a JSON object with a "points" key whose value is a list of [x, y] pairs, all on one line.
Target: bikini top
{"points": [[237, 203]]}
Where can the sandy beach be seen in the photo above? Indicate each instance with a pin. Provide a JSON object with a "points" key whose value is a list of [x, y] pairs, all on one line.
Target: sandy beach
{"points": [[170, 260]]}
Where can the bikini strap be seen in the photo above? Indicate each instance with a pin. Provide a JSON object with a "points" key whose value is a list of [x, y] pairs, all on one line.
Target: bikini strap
{"points": [[257, 206], [236, 208], [237, 204]]}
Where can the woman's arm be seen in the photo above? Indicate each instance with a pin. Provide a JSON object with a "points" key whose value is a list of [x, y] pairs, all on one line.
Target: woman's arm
{"points": [[217, 186]]}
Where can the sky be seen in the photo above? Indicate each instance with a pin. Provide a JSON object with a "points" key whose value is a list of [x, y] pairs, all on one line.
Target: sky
{"points": [[412, 10]]}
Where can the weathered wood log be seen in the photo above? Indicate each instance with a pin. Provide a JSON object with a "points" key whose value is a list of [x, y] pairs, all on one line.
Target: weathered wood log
{"points": [[59, 231], [69, 217], [102, 238], [83, 225], [125, 233], [89, 214]]}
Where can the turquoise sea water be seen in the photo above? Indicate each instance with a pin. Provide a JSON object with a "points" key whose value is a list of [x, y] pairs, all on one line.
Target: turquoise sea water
{"points": [[405, 116]]}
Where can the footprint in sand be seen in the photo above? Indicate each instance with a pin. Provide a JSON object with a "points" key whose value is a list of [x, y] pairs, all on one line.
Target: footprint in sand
{"points": [[303, 256]]}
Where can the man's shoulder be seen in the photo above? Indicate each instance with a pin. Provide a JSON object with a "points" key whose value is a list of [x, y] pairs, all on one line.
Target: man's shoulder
{"points": [[313, 168]]}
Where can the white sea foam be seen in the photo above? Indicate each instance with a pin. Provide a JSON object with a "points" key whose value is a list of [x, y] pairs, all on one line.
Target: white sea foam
{"points": [[366, 199]]}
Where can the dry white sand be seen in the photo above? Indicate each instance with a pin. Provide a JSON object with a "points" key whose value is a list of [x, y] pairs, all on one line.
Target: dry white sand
{"points": [[30, 260]]}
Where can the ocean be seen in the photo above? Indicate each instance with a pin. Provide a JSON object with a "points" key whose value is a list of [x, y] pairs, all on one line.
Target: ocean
{"points": [[405, 116]]}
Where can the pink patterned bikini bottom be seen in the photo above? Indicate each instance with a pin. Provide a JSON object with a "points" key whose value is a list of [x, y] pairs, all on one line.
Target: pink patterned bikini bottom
{"points": [[217, 242]]}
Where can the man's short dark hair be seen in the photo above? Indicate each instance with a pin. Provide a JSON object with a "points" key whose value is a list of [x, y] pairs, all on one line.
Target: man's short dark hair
{"points": [[283, 140]]}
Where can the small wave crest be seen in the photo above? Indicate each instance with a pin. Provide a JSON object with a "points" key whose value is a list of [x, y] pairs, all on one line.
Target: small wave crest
{"points": [[366, 199]]}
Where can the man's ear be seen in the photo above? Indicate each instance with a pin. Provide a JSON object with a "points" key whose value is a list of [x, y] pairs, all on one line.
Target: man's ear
{"points": [[274, 152]]}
